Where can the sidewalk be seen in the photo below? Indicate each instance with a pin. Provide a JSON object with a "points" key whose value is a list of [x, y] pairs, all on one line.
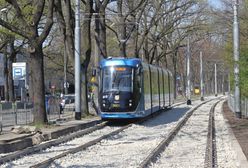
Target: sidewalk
{"points": [[10, 142]]}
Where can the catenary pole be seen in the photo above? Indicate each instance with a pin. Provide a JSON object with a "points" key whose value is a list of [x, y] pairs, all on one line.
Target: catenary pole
{"points": [[77, 63], [215, 80], [188, 74], [236, 59], [201, 77]]}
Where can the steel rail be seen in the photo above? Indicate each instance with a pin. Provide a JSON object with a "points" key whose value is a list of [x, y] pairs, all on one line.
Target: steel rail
{"points": [[47, 162], [43, 146], [153, 156], [37, 148], [211, 155]]}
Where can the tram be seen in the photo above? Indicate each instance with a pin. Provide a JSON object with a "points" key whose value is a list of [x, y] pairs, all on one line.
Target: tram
{"points": [[130, 88]]}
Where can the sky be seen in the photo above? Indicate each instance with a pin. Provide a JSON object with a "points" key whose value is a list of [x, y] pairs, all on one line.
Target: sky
{"points": [[215, 3]]}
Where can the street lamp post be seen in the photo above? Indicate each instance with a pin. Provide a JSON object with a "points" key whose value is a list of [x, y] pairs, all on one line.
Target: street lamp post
{"points": [[237, 108]]}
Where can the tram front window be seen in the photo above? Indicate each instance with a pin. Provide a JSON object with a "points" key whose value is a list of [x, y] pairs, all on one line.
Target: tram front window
{"points": [[117, 79]]}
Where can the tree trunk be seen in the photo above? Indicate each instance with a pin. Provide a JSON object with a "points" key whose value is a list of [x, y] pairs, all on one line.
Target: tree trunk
{"points": [[174, 60], [10, 75], [145, 49], [101, 31], [134, 40], [70, 25], [122, 30], [38, 87], [86, 54], [84, 94], [6, 74]]}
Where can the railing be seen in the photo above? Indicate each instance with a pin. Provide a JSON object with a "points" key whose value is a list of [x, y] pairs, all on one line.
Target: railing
{"points": [[244, 105], [15, 114], [21, 113]]}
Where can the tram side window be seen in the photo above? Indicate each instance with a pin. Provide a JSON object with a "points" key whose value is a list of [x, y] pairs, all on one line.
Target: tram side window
{"points": [[137, 86], [137, 79], [146, 82]]}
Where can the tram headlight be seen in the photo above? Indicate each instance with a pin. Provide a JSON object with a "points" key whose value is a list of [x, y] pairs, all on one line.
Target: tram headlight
{"points": [[103, 105], [130, 104], [117, 97]]}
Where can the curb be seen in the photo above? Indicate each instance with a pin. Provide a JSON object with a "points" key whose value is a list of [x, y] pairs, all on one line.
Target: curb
{"points": [[242, 161], [26, 142], [241, 158]]}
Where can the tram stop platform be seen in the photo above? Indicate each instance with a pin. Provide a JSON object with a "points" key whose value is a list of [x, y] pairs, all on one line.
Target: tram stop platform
{"points": [[20, 137]]}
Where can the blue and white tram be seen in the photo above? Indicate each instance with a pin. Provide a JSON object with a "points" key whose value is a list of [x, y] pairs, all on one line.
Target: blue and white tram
{"points": [[130, 88]]}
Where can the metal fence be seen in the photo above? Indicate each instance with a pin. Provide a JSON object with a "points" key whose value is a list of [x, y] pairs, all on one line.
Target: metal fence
{"points": [[244, 105], [21, 113], [16, 113]]}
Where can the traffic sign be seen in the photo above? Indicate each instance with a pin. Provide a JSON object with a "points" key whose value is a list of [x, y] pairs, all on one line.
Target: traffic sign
{"points": [[66, 84]]}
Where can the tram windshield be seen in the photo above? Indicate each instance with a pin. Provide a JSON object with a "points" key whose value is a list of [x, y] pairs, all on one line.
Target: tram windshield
{"points": [[117, 79]]}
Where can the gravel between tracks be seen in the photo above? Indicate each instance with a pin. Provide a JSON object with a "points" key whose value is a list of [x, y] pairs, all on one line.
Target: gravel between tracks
{"points": [[128, 148], [188, 148], [32, 159]]}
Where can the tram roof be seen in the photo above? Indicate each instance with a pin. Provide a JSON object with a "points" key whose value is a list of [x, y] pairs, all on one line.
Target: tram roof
{"points": [[118, 61]]}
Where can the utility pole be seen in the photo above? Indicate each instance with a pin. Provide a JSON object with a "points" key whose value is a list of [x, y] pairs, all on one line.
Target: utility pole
{"points": [[77, 63], [237, 108], [215, 80], [188, 74], [201, 77]]}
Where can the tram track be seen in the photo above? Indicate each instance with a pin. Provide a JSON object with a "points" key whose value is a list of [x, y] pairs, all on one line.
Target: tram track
{"points": [[37, 148], [85, 145], [48, 144], [153, 156], [210, 154], [48, 162]]}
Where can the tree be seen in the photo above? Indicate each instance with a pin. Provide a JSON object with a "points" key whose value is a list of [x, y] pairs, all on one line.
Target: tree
{"points": [[33, 21], [100, 28], [86, 54]]}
